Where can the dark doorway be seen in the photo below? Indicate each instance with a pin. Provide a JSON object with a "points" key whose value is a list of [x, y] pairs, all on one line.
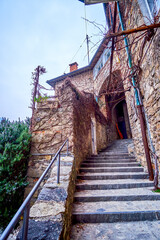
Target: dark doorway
{"points": [[121, 119]]}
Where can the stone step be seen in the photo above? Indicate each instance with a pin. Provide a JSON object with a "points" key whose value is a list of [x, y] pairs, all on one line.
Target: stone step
{"points": [[110, 161], [113, 184], [139, 194], [110, 164], [108, 169], [99, 212], [114, 153], [95, 176], [116, 198], [111, 157], [141, 230]]}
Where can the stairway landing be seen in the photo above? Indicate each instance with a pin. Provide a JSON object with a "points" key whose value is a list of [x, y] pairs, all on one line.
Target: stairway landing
{"points": [[114, 198]]}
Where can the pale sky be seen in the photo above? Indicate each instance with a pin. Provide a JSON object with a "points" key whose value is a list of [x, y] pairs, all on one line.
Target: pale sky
{"points": [[40, 32]]}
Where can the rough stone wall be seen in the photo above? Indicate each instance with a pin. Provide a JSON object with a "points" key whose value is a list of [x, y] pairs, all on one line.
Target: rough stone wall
{"points": [[53, 125], [70, 115], [86, 108], [82, 131], [148, 79], [101, 136], [83, 82], [149, 82], [102, 105], [50, 216]]}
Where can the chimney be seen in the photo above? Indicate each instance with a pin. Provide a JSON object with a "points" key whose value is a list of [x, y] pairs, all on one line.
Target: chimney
{"points": [[73, 66]]}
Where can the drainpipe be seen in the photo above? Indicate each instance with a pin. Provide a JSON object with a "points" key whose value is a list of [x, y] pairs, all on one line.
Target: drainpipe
{"points": [[138, 103]]}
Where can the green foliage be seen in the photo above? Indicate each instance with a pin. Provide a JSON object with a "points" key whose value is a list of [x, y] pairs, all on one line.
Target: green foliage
{"points": [[40, 98], [14, 153], [157, 190]]}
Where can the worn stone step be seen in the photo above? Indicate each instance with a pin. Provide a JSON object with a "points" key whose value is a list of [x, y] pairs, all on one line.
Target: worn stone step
{"points": [[113, 206], [141, 230], [111, 217], [110, 164], [110, 161], [114, 153], [108, 169], [139, 194], [116, 198], [112, 157], [98, 212], [113, 184], [95, 176]]}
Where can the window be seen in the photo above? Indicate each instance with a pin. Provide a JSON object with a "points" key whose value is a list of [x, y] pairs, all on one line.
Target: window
{"points": [[102, 60], [98, 67], [107, 55], [149, 8]]}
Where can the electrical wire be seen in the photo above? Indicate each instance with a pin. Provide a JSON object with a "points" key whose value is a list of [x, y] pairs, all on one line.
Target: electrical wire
{"points": [[75, 53]]}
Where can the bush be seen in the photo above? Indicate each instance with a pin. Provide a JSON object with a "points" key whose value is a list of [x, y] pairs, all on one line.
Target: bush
{"points": [[14, 153]]}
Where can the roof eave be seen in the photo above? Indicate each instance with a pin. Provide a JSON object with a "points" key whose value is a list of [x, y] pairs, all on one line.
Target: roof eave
{"points": [[53, 81], [89, 67]]}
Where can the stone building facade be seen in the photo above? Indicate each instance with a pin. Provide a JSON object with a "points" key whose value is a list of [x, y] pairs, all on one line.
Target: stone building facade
{"points": [[92, 107], [95, 105]]}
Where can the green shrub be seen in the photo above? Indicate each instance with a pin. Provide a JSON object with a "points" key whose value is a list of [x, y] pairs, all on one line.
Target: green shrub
{"points": [[14, 153]]}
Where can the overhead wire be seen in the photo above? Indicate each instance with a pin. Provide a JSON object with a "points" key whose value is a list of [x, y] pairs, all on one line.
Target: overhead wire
{"points": [[75, 53], [86, 39]]}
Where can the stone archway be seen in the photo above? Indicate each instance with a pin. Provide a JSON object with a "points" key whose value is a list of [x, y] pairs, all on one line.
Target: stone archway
{"points": [[111, 99]]}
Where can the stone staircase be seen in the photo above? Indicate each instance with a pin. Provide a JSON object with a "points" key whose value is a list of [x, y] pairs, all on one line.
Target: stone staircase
{"points": [[114, 198]]}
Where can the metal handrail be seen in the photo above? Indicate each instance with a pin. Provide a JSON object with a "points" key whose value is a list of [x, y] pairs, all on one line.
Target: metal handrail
{"points": [[25, 207]]}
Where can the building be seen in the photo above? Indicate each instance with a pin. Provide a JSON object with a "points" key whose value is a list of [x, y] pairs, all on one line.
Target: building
{"points": [[103, 101]]}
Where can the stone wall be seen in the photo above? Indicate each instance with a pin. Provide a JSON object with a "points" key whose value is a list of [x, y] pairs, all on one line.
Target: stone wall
{"points": [[53, 125], [50, 216], [83, 82], [85, 111], [101, 136], [147, 78], [69, 116]]}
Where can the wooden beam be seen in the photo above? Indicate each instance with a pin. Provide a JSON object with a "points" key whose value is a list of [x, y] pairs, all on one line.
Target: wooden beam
{"points": [[134, 30]]}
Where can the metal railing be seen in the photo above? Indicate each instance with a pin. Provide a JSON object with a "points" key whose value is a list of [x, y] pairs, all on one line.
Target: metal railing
{"points": [[25, 207]]}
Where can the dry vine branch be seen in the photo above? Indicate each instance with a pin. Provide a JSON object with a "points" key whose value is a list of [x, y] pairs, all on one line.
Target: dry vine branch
{"points": [[35, 92]]}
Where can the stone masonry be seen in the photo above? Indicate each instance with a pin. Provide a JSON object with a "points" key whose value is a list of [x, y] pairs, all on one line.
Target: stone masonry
{"points": [[89, 125], [68, 116], [148, 80]]}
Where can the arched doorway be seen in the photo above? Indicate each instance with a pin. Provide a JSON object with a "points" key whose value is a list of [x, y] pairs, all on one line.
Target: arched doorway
{"points": [[111, 100], [121, 119]]}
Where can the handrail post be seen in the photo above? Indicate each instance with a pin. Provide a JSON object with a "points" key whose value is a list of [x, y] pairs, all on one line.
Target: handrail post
{"points": [[58, 169], [67, 147], [25, 223]]}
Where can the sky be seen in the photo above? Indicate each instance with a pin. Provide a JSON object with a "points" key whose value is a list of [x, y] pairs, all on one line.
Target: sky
{"points": [[46, 33]]}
